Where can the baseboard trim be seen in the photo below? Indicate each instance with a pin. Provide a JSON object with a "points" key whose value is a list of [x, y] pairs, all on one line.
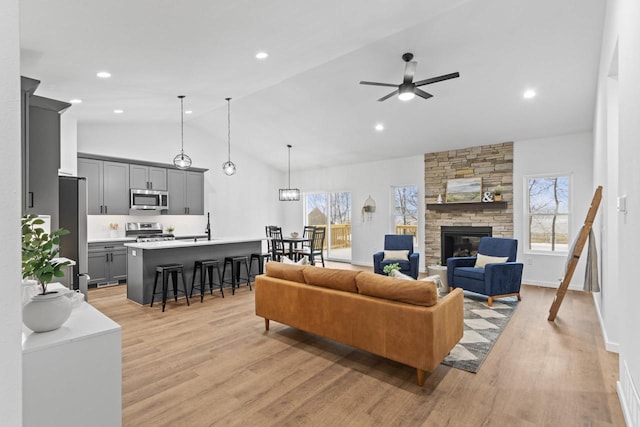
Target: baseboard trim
{"points": [[613, 347], [628, 396], [554, 285]]}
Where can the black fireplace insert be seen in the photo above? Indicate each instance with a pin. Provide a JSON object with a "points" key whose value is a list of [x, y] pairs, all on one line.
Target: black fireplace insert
{"points": [[456, 241]]}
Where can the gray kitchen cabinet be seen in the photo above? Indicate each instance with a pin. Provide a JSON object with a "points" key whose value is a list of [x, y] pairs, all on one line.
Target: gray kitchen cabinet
{"points": [[40, 118], [147, 177], [107, 185], [107, 263], [92, 170], [186, 192]]}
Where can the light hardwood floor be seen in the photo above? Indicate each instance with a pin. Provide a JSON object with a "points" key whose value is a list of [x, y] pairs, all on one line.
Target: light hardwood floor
{"points": [[213, 364]]}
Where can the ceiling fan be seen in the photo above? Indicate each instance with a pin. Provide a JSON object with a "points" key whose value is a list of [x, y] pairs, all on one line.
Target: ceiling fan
{"points": [[408, 89]]}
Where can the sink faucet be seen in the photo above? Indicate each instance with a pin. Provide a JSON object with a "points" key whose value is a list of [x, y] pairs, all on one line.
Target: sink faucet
{"points": [[208, 229]]}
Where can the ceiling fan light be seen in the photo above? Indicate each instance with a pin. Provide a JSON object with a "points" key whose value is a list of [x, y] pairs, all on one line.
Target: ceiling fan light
{"points": [[406, 96]]}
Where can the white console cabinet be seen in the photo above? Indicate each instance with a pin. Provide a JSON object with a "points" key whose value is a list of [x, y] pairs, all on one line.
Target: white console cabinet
{"points": [[73, 376]]}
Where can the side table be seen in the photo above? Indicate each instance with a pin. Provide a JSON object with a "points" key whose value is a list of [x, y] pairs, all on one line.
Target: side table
{"points": [[440, 270]]}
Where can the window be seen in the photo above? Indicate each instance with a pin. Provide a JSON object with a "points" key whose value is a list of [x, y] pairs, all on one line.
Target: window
{"points": [[333, 211], [548, 213], [406, 210]]}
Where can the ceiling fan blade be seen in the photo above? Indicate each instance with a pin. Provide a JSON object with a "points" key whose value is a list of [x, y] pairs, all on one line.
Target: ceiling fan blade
{"points": [[422, 94], [395, 92], [437, 79], [378, 84], [409, 71]]}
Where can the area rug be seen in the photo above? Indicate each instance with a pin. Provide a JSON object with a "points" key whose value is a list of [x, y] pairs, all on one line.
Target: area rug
{"points": [[482, 327]]}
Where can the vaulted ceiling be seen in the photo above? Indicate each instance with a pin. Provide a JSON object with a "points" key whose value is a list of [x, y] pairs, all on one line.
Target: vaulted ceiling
{"points": [[307, 92]]}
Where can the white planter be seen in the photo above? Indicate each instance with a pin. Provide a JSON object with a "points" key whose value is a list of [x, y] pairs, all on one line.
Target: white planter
{"points": [[47, 312]]}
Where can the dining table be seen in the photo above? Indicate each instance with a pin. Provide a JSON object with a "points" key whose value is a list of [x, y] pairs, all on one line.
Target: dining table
{"points": [[293, 242]]}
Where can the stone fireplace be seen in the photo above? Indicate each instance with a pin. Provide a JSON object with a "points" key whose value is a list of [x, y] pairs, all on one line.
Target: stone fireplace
{"points": [[494, 164], [461, 241]]}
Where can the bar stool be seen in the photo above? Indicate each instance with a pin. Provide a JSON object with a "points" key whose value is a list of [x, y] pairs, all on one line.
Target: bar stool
{"points": [[204, 267], [235, 262], [166, 270], [261, 258]]}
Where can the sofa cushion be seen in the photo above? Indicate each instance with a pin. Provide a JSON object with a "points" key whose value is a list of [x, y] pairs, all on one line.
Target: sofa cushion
{"points": [[469, 273], [416, 292], [284, 271], [342, 280]]}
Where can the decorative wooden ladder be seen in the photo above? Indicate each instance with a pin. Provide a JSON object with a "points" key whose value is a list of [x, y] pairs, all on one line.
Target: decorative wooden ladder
{"points": [[575, 256]]}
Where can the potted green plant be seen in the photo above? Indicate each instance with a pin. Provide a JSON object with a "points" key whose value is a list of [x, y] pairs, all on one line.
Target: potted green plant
{"points": [[391, 267], [47, 310], [497, 193], [170, 229]]}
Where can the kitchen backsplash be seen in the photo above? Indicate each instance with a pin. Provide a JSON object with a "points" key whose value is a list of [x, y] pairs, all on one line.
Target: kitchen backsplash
{"points": [[98, 226]]}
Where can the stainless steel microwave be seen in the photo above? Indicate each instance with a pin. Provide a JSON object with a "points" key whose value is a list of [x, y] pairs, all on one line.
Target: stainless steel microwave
{"points": [[149, 200]]}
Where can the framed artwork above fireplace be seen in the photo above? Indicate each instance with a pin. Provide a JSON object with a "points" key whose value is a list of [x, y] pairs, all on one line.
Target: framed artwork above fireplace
{"points": [[464, 190]]}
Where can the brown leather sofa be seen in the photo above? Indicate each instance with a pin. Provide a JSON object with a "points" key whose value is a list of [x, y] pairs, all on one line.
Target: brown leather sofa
{"points": [[401, 320]]}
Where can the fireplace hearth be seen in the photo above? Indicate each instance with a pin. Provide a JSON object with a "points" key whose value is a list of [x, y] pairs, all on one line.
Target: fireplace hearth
{"points": [[456, 241]]}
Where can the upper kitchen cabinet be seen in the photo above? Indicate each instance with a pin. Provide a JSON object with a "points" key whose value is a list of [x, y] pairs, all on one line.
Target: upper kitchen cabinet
{"points": [[40, 151], [186, 192], [108, 186], [147, 177]]}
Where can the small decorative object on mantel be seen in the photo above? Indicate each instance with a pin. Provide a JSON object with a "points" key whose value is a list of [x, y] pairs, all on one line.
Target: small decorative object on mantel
{"points": [[368, 209], [497, 193], [47, 310], [487, 197], [439, 199]]}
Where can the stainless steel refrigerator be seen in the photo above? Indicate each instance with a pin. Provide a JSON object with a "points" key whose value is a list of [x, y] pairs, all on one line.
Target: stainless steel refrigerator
{"points": [[73, 217]]}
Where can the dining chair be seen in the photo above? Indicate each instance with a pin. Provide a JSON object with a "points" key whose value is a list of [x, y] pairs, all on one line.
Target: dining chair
{"points": [[317, 244], [277, 245], [307, 234]]}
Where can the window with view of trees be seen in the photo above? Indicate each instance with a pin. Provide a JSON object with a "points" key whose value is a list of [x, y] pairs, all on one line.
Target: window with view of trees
{"points": [[406, 210], [548, 213]]}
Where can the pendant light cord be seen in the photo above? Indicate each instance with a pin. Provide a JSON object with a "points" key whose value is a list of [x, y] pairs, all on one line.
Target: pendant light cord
{"points": [[181, 123], [229, 127], [289, 145]]}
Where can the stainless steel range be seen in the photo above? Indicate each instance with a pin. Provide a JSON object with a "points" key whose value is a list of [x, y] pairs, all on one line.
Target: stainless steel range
{"points": [[147, 232]]}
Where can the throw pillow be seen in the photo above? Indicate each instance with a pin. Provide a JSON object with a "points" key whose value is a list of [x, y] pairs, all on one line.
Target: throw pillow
{"points": [[398, 275], [396, 255], [287, 260], [483, 260]]}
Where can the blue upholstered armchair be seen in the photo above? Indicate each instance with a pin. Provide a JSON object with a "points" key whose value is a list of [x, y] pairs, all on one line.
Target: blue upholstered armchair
{"points": [[494, 280], [397, 242]]}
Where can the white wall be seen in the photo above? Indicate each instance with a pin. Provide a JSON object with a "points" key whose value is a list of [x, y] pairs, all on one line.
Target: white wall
{"points": [[10, 303], [567, 154], [68, 143], [373, 179], [240, 205], [618, 304]]}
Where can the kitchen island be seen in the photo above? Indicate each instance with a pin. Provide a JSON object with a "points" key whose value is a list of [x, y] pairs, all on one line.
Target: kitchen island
{"points": [[143, 258]]}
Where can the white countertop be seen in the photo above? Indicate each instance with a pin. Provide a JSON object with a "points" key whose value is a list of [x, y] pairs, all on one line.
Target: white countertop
{"points": [[85, 321], [111, 239], [168, 244]]}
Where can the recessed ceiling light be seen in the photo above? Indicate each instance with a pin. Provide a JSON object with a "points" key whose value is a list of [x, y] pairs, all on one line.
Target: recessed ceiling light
{"points": [[118, 111], [529, 93], [188, 112], [379, 127], [262, 55], [103, 75], [75, 101]]}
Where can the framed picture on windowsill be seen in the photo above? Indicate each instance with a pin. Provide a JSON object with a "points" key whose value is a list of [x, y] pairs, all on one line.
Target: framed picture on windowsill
{"points": [[464, 190]]}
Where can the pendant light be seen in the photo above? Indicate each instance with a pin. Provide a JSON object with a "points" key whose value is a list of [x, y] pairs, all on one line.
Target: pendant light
{"points": [[289, 194], [182, 161], [228, 167]]}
